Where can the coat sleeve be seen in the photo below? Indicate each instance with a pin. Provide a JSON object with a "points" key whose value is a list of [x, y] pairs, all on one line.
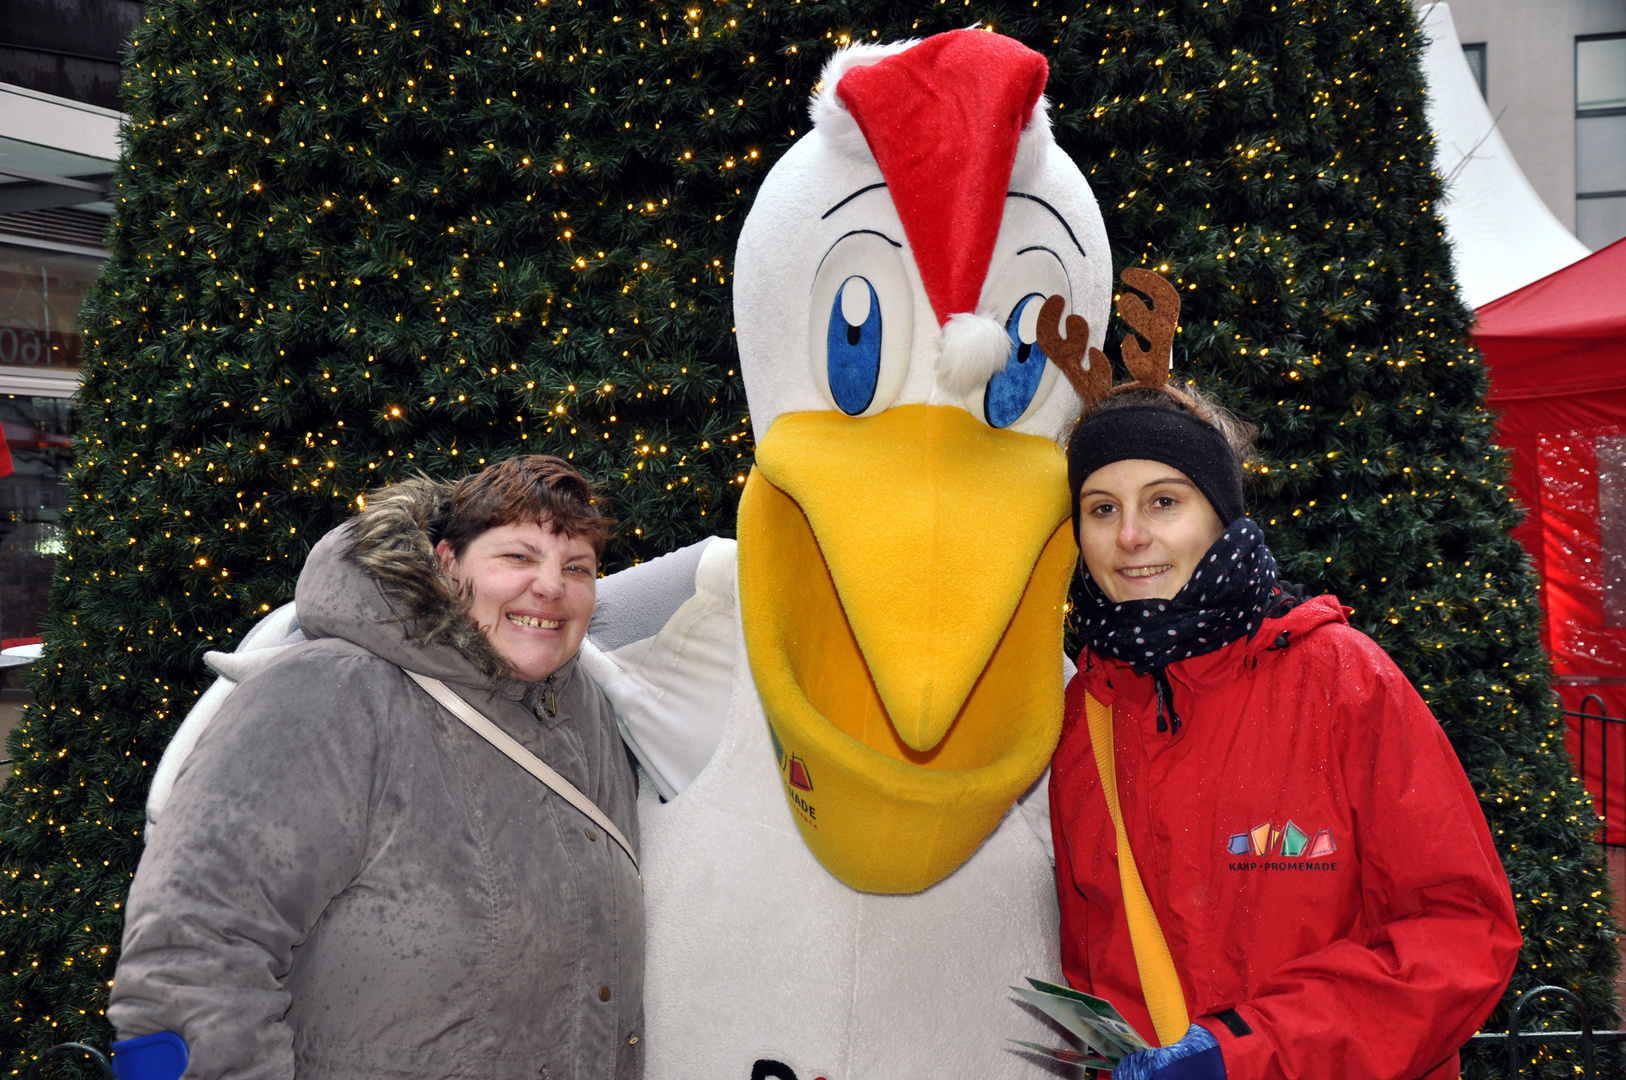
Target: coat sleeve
{"points": [[1439, 938], [267, 822]]}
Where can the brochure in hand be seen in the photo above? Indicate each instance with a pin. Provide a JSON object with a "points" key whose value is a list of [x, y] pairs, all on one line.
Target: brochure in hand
{"points": [[1093, 1020]]}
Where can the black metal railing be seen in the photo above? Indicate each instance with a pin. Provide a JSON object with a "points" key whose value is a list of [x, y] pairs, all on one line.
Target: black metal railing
{"points": [[1600, 762], [1592, 737], [1516, 1038]]}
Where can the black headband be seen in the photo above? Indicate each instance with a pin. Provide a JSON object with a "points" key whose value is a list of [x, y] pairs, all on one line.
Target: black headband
{"points": [[1171, 436]]}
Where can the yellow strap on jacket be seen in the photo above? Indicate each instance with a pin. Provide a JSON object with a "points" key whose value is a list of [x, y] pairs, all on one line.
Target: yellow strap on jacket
{"points": [[1159, 982]]}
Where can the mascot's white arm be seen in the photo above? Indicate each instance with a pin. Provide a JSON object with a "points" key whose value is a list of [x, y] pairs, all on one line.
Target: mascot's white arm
{"points": [[662, 647], [268, 639]]}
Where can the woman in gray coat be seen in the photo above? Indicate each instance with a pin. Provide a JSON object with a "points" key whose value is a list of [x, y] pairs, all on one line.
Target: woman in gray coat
{"points": [[347, 881]]}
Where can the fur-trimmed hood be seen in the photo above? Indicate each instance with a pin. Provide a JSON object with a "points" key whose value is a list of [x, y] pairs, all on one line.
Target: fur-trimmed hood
{"points": [[375, 581]]}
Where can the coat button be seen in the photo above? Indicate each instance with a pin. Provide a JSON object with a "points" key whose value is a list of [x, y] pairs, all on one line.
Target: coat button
{"points": [[632, 1040], [591, 835], [604, 993]]}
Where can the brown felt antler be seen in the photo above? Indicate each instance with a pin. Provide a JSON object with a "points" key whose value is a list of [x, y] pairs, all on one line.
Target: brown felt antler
{"points": [[1156, 324], [1086, 368]]}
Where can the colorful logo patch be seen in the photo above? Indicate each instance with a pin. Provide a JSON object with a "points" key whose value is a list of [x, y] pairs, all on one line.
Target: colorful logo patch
{"points": [[1289, 842], [797, 780], [798, 774]]}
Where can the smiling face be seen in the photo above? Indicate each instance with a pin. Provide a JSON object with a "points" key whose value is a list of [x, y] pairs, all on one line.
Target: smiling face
{"points": [[531, 590], [1143, 526]]}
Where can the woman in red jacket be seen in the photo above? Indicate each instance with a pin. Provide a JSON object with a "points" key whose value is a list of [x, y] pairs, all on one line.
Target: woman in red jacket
{"points": [[1315, 860]]}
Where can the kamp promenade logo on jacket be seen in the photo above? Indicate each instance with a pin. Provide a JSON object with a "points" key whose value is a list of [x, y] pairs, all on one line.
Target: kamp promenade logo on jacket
{"points": [[1286, 848]]}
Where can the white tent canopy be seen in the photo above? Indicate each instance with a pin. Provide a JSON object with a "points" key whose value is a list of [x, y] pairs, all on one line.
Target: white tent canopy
{"points": [[1502, 235]]}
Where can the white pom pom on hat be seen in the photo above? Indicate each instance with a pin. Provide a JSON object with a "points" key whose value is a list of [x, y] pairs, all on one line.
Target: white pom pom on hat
{"points": [[975, 348]]}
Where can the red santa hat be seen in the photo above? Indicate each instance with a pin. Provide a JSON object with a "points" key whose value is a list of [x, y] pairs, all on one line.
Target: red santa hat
{"points": [[943, 120]]}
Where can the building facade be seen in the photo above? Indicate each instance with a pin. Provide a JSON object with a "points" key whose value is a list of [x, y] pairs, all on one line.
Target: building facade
{"points": [[1554, 75], [59, 138]]}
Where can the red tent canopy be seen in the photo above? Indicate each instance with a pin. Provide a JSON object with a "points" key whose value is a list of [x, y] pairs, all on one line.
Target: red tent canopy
{"points": [[1563, 334], [1557, 356]]}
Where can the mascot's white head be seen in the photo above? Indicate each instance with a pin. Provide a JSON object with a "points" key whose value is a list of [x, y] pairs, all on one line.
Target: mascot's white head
{"points": [[931, 201], [904, 549]]}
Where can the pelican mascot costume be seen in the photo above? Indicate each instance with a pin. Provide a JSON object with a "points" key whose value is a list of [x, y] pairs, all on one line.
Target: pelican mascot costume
{"points": [[839, 714]]}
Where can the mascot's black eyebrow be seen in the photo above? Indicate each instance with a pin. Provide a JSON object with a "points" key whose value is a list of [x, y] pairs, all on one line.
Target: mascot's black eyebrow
{"points": [[1053, 210], [850, 198], [1047, 249], [854, 232]]}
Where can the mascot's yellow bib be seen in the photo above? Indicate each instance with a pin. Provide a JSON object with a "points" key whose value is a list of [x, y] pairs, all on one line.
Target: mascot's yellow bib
{"points": [[913, 686]]}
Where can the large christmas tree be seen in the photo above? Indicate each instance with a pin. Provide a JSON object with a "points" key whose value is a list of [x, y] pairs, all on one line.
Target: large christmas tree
{"points": [[355, 240]]}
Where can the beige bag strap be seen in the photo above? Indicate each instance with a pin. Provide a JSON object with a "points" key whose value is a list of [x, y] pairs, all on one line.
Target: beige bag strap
{"points": [[1159, 982], [522, 757]]}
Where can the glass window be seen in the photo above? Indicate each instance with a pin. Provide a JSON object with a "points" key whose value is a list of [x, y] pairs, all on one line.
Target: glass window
{"points": [[1600, 222], [1600, 139], [1475, 55], [41, 292], [1600, 72], [39, 434], [1612, 526], [1600, 152]]}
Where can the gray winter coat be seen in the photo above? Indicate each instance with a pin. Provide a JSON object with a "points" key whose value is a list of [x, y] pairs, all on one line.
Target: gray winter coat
{"points": [[349, 883]]}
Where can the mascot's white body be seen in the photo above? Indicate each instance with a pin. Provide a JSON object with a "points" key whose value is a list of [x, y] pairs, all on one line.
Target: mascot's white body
{"points": [[759, 962], [763, 958]]}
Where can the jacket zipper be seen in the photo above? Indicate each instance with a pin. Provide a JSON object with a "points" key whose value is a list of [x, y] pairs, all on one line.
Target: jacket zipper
{"points": [[1165, 700]]}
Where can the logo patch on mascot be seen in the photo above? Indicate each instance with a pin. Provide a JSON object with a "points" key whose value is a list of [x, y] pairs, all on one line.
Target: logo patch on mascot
{"points": [[797, 780]]}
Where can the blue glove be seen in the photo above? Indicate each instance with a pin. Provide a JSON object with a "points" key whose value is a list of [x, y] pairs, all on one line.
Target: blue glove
{"points": [[1194, 1057], [159, 1056]]}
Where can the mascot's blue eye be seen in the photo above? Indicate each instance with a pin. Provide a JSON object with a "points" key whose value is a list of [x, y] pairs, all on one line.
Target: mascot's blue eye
{"points": [[854, 353], [1011, 391]]}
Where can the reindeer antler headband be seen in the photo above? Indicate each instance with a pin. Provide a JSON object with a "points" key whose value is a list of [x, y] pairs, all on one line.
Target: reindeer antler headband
{"points": [[1086, 367]]}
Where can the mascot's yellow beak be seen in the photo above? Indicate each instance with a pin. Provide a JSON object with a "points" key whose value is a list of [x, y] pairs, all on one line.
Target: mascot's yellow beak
{"points": [[901, 584]]}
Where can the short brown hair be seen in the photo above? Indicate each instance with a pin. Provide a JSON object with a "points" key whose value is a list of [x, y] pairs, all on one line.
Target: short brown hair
{"points": [[537, 488]]}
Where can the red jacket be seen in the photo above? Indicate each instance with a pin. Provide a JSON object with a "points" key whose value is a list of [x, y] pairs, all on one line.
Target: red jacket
{"points": [[1316, 858]]}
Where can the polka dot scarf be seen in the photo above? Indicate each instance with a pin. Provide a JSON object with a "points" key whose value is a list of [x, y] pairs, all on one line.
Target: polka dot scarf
{"points": [[1230, 593]]}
